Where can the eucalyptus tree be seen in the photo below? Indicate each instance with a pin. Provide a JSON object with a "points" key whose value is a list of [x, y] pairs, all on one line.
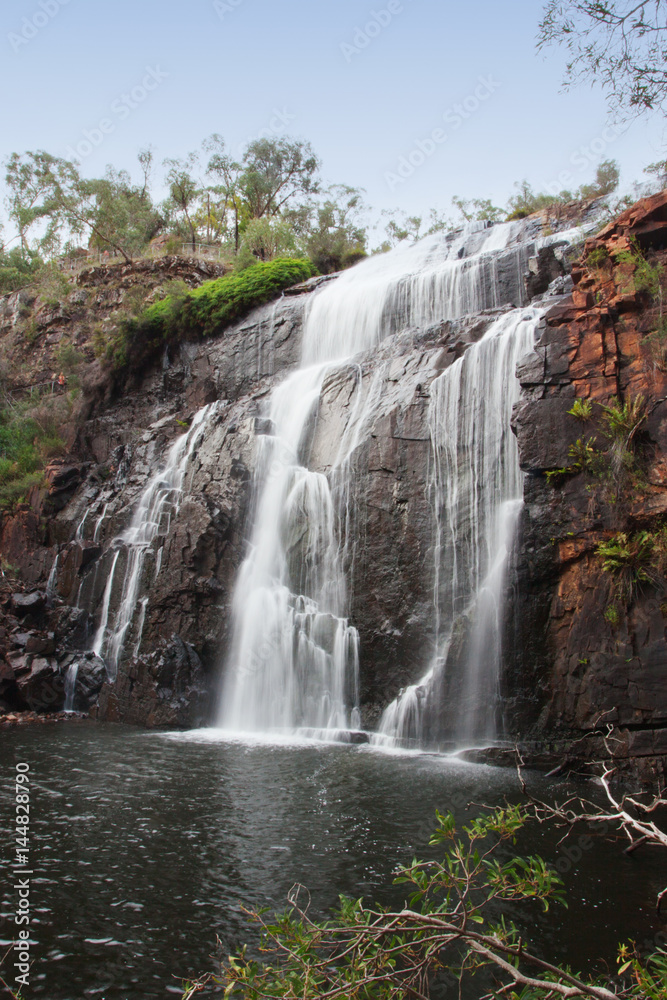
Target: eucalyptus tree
{"points": [[29, 182], [620, 44], [184, 191], [276, 174]]}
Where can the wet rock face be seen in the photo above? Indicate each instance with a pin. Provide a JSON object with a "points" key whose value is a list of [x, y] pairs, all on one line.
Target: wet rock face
{"points": [[584, 650], [166, 688]]}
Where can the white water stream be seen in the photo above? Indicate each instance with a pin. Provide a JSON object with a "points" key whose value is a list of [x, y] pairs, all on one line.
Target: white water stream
{"points": [[476, 494], [151, 523]]}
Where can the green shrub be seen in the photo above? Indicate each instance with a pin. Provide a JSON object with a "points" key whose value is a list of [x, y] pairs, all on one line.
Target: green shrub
{"points": [[582, 409], [623, 419], [647, 277], [18, 269], [612, 615], [25, 446], [634, 559], [203, 311], [352, 257], [597, 257]]}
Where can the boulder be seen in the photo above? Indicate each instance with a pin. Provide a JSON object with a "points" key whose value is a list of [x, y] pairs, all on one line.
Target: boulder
{"points": [[42, 688], [29, 604]]}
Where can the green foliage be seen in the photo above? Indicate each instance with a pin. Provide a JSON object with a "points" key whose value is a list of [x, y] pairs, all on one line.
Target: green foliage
{"points": [[657, 343], [618, 45], [52, 285], [597, 257], [650, 976], [616, 462], [119, 214], [584, 454], [203, 311], [18, 269], [25, 446], [582, 409], [612, 615], [478, 210], [643, 554], [332, 230], [647, 277], [526, 201], [265, 239], [277, 171], [606, 181], [585, 457], [447, 930], [623, 419]]}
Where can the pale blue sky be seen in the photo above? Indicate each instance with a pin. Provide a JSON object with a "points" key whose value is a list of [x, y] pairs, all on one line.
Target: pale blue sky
{"points": [[288, 65]]}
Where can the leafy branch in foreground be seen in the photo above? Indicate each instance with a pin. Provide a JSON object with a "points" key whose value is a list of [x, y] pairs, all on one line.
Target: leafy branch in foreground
{"points": [[448, 929], [640, 817]]}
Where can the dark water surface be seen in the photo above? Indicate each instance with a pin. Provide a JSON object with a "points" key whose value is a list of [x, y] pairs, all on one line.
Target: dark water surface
{"points": [[145, 847]]}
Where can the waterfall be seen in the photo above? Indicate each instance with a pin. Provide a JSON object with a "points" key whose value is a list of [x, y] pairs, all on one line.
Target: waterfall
{"points": [[157, 508], [294, 658], [476, 491], [52, 582], [70, 685], [294, 653]]}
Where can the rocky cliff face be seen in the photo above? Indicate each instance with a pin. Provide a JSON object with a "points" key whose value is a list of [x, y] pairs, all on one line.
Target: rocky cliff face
{"points": [[569, 661], [589, 644]]}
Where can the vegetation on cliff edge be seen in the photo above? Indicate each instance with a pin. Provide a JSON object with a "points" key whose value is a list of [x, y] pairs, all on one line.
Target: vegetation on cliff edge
{"points": [[204, 310]]}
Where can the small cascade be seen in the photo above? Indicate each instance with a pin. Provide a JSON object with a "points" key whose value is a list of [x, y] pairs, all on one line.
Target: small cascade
{"points": [[79, 533], [70, 685], [52, 581], [143, 604], [99, 523], [157, 508], [476, 491]]}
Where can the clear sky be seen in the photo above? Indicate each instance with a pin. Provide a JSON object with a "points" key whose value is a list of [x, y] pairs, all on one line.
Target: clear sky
{"points": [[364, 98]]}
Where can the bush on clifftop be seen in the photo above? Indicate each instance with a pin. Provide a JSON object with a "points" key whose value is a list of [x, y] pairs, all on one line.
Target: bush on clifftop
{"points": [[204, 310]]}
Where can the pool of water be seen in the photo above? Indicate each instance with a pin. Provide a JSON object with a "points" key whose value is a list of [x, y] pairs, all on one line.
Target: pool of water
{"points": [[146, 846]]}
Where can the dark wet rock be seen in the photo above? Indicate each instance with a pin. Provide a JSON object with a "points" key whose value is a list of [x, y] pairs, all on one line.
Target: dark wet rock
{"points": [[163, 689], [42, 687], [73, 627], [545, 268], [29, 604], [91, 674]]}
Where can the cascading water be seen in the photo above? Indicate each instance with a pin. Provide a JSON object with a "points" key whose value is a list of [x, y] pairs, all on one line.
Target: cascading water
{"points": [[294, 655], [152, 519], [476, 491], [70, 685]]}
